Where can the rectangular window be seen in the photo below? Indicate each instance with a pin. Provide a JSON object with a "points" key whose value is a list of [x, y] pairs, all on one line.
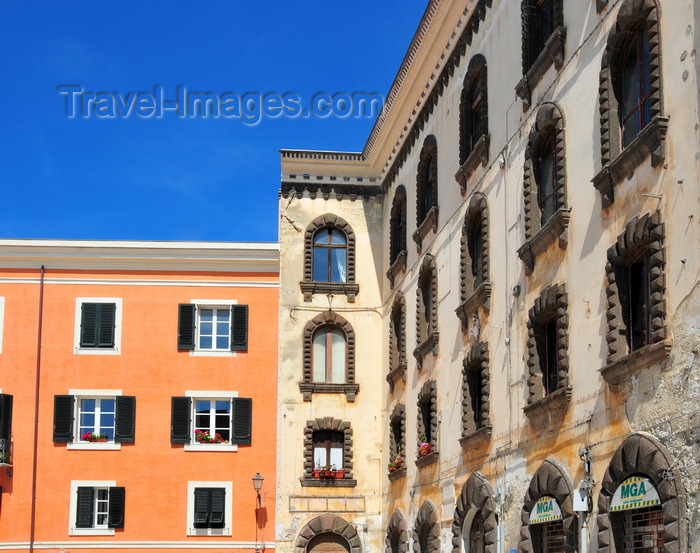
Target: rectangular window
{"points": [[5, 429], [98, 326], [211, 423], [97, 507], [2, 319], [209, 506], [94, 419], [208, 328]]}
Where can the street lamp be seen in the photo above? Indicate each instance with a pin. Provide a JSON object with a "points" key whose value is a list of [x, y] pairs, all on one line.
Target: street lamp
{"points": [[257, 484]]}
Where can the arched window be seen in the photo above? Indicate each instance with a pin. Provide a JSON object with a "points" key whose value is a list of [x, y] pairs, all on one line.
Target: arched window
{"points": [[475, 286], [397, 235], [473, 121], [473, 536], [397, 340], [426, 191], [329, 355], [330, 256], [632, 124], [546, 177], [426, 310]]}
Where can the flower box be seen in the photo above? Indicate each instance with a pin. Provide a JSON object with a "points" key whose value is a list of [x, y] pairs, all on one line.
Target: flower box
{"points": [[425, 449]]}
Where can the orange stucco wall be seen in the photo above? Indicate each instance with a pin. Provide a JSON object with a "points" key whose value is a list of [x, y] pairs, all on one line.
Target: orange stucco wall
{"points": [[154, 472]]}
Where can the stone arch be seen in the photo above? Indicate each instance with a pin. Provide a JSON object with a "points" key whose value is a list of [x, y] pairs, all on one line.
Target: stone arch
{"points": [[396, 531], [328, 524], [550, 479], [643, 454], [428, 526], [476, 497]]}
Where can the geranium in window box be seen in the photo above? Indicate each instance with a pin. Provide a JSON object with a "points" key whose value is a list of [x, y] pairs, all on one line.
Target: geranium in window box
{"points": [[204, 437], [396, 463], [94, 437], [338, 474], [425, 449]]}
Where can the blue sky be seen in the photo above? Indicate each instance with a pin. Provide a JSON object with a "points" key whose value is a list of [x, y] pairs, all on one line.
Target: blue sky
{"points": [[169, 177]]}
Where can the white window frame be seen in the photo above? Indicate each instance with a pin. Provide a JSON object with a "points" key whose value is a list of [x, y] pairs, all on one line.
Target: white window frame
{"points": [[74, 485], [209, 395], [211, 304], [90, 394], [2, 319], [116, 350], [227, 530]]}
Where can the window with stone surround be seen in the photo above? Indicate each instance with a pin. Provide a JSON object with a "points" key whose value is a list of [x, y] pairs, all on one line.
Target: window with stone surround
{"points": [[426, 310], [543, 41], [427, 423], [320, 436], [476, 390], [397, 432], [635, 291], [397, 235], [547, 346], [329, 357], [396, 540], [473, 121], [329, 258], [426, 538], [475, 285], [426, 191], [632, 123], [397, 340], [544, 185]]}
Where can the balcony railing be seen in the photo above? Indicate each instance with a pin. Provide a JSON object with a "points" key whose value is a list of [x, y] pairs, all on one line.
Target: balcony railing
{"points": [[6, 448]]}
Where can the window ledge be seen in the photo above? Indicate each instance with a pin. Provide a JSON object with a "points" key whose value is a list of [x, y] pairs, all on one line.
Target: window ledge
{"points": [[428, 459], [650, 140], [394, 374], [398, 473], [91, 531], [107, 446], [480, 297], [428, 345], [212, 353], [556, 401], [397, 267], [310, 388], [96, 351], [328, 482], [480, 434], [349, 289], [554, 229], [479, 154], [429, 223], [211, 447], [552, 53], [631, 364], [208, 531]]}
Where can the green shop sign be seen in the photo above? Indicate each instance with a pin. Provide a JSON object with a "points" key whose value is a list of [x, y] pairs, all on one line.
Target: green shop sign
{"points": [[634, 493], [545, 510]]}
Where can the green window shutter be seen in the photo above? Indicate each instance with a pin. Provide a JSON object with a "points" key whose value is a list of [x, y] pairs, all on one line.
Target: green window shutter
{"points": [[63, 418], [106, 323], [88, 325], [186, 326], [115, 514], [125, 419], [180, 420], [84, 511], [242, 413], [239, 328], [202, 502], [217, 507], [6, 418]]}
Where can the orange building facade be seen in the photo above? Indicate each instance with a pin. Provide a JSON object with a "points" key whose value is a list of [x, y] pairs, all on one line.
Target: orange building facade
{"points": [[138, 386]]}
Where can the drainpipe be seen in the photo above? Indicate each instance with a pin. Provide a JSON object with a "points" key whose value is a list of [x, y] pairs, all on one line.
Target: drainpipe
{"points": [[32, 526]]}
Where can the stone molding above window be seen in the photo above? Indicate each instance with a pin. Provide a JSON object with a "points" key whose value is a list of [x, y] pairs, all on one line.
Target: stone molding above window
{"points": [[552, 53], [308, 286], [427, 335], [397, 341], [549, 124], [327, 423], [552, 302], [647, 231], [430, 223], [308, 387], [618, 162], [472, 296]]}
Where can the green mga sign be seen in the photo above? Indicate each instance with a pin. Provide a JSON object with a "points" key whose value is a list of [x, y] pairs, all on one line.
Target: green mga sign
{"points": [[634, 493], [545, 510]]}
